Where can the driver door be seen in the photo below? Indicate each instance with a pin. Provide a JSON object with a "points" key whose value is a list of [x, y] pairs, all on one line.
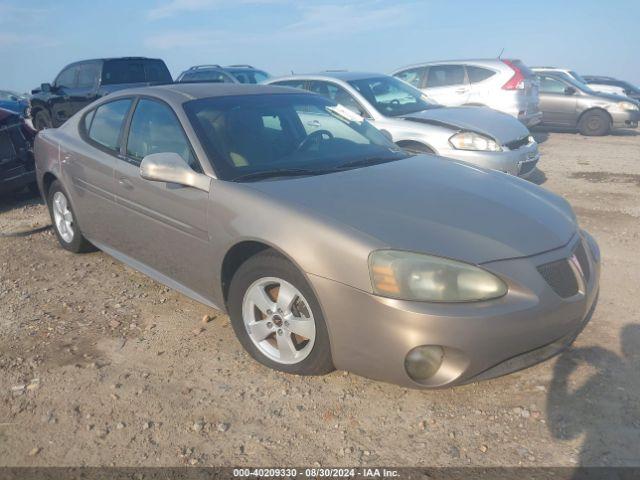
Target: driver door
{"points": [[162, 225], [557, 106]]}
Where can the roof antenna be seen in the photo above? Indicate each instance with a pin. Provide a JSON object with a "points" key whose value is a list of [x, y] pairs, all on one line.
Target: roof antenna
{"points": [[292, 72], [500, 54]]}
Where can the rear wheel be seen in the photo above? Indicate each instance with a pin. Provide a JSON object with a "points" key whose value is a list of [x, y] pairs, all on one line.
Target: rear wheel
{"points": [[64, 221], [277, 317], [42, 120], [595, 123]]}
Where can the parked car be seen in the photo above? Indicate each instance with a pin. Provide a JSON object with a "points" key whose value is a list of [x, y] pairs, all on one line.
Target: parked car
{"points": [[16, 153], [14, 102], [596, 82], [504, 85], [80, 83], [247, 73], [481, 136], [218, 74], [328, 246], [571, 74], [566, 102], [206, 73]]}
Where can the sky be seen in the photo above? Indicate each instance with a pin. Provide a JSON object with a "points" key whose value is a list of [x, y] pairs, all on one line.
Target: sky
{"points": [[38, 38]]}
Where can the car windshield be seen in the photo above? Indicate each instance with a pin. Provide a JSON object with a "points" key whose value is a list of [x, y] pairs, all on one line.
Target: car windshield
{"points": [[13, 96], [249, 75], [253, 137], [578, 77], [205, 75], [390, 96], [579, 85]]}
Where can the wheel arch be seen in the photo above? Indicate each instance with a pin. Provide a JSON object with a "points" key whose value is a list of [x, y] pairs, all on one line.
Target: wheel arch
{"points": [[47, 179], [241, 251], [407, 143], [592, 109]]}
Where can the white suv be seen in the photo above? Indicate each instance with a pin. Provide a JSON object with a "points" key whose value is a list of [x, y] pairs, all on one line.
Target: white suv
{"points": [[504, 85]]}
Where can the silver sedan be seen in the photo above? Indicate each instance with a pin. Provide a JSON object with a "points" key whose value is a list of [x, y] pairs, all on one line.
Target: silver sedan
{"points": [[328, 245], [477, 135]]}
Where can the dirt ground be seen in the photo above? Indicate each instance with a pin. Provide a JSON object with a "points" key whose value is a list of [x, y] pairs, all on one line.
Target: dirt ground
{"points": [[100, 365]]}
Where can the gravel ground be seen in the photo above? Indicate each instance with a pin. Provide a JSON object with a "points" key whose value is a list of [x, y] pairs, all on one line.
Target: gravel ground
{"points": [[100, 365]]}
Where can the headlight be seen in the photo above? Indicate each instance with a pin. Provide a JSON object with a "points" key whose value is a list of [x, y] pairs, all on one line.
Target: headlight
{"points": [[414, 276], [474, 141], [627, 106]]}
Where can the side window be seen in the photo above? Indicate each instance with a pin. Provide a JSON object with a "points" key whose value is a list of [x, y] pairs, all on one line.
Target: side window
{"points": [[156, 129], [478, 74], [337, 94], [88, 75], [445, 76], [107, 123], [67, 78], [205, 76], [551, 85], [413, 76], [291, 83]]}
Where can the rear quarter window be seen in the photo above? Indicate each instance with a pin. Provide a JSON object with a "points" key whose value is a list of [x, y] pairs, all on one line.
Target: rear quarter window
{"points": [[478, 74], [134, 71], [106, 127]]}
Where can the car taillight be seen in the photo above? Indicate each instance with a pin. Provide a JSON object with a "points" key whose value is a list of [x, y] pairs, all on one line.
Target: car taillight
{"points": [[517, 81]]}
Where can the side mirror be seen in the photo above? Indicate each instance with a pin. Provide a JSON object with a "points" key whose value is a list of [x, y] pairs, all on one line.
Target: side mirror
{"points": [[569, 91], [171, 168], [45, 87]]}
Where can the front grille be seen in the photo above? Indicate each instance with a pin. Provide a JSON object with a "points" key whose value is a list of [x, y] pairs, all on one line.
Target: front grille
{"points": [[516, 144], [560, 277], [583, 260], [526, 167]]}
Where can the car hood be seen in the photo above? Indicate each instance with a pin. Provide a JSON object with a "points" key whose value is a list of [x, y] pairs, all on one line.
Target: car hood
{"points": [[434, 205], [498, 125]]}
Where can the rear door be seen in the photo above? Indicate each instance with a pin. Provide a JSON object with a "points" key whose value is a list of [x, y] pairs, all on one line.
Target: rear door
{"points": [[557, 105], [88, 161], [447, 84], [480, 84], [162, 225]]}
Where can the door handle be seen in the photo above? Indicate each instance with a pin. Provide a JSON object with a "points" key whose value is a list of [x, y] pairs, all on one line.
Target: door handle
{"points": [[125, 183], [461, 90]]}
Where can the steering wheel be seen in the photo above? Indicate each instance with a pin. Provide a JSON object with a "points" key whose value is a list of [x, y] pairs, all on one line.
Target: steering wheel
{"points": [[314, 137], [395, 101]]}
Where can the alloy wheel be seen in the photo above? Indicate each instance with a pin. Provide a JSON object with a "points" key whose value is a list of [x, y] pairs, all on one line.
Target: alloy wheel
{"points": [[279, 320], [62, 217]]}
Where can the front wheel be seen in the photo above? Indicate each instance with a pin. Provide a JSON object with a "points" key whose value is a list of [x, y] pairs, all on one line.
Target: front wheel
{"points": [[595, 123], [277, 317], [42, 120], [64, 221]]}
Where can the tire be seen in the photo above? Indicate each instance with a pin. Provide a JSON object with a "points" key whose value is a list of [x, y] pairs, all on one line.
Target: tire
{"points": [[42, 120], [269, 273], [415, 148], [595, 123], [64, 222]]}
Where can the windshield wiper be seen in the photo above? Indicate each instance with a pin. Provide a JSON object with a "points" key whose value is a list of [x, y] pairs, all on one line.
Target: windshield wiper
{"points": [[278, 172], [362, 162]]}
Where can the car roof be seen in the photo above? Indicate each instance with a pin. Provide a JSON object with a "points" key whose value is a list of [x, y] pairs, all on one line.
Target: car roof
{"points": [[482, 61], [184, 92]]}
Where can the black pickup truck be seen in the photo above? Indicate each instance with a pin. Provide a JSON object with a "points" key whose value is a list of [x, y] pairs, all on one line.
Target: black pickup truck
{"points": [[80, 83]]}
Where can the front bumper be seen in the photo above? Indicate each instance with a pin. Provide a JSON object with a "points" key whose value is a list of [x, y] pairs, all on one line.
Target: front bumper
{"points": [[371, 335], [625, 119], [520, 162]]}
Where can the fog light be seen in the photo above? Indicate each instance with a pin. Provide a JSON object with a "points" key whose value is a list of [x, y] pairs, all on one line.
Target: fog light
{"points": [[423, 362]]}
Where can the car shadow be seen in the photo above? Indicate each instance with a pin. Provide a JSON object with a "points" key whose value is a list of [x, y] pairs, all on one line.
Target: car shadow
{"points": [[537, 176], [594, 394], [541, 133], [23, 198]]}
